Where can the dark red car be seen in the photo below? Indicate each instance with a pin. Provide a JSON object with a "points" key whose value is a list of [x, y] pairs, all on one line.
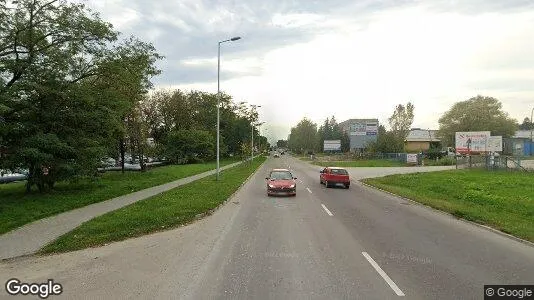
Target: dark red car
{"points": [[332, 176], [281, 182]]}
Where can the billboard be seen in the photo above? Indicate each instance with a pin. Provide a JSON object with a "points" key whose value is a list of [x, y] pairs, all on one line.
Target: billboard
{"points": [[411, 158], [371, 129], [495, 144], [358, 129], [332, 145], [364, 129], [474, 141]]}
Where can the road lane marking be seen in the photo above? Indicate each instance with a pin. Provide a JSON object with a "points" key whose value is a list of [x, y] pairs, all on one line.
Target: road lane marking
{"points": [[309, 190], [392, 284], [327, 211]]}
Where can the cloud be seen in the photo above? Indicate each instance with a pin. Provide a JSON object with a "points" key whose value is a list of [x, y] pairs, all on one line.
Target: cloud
{"points": [[351, 59]]}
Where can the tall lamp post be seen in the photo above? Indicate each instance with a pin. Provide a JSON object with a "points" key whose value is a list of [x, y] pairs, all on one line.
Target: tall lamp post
{"points": [[252, 131], [531, 128], [218, 95]]}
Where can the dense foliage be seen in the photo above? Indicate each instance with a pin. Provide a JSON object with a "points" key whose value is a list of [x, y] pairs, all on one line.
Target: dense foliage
{"points": [[73, 91]]}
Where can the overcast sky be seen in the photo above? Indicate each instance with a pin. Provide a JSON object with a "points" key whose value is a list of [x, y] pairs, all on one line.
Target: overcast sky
{"points": [[351, 59]]}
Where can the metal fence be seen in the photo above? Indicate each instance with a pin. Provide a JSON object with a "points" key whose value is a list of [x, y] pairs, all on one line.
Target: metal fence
{"points": [[494, 162]]}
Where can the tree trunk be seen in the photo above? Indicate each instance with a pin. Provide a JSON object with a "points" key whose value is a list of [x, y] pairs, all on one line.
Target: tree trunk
{"points": [[141, 157], [122, 150], [29, 180]]}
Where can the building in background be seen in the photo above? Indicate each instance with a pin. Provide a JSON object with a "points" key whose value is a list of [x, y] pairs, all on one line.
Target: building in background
{"points": [[519, 144], [361, 132], [421, 140]]}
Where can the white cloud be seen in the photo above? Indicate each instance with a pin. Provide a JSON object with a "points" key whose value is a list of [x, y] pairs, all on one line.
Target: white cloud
{"points": [[362, 61]]}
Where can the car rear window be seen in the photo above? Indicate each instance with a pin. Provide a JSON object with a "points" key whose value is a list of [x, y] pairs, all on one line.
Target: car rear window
{"points": [[339, 171], [281, 175]]}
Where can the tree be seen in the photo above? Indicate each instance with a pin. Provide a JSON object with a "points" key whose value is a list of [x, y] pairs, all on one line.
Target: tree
{"points": [[189, 146], [65, 87], [526, 125], [345, 142], [400, 123], [281, 143], [303, 137], [478, 113], [387, 142]]}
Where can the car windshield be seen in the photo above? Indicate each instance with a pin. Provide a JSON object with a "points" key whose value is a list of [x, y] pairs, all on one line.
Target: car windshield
{"points": [[281, 175], [339, 171]]}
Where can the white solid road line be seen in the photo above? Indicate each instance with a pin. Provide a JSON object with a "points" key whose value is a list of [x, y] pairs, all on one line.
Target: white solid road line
{"points": [[309, 190], [392, 284], [327, 211]]}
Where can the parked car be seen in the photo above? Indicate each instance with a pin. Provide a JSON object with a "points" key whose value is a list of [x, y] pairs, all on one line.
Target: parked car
{"points": [[332, 176], [281, 181]]}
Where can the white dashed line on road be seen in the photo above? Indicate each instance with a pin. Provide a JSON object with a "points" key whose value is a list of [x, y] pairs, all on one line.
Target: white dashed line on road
{"points": [[309, 190], [327, 211], [392, 284]]}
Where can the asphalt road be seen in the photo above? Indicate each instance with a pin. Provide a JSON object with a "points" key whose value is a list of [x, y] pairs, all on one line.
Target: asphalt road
{"points": [[322, 244]]}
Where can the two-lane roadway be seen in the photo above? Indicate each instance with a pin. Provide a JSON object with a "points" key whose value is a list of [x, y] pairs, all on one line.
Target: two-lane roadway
{"points": [[322, 244]]}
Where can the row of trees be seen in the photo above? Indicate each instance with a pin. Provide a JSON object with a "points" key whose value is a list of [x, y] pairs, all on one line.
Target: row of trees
{"points": [[306, 137], [183, 125], [72, 91], [478, 113]]}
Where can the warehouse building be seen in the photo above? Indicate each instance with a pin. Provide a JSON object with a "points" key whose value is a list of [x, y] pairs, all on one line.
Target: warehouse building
{"points": [[421, 140]]}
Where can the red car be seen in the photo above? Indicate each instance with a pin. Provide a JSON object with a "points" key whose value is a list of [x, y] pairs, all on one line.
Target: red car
{"points": [[332, 176], [281, 182]]}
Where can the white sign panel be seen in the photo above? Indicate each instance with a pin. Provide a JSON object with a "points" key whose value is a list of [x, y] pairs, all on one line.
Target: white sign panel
{"points": [[474, 141], [495, 144], [332, 145], [358, 129], [372, 129], [411, 158]]}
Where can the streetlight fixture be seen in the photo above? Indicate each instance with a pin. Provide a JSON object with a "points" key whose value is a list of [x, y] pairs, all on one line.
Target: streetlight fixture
{"points": [[218, 95]]}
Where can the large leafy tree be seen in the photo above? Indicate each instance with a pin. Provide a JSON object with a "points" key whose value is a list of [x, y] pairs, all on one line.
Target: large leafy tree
{"points": [[527, 124], [65, 87], [479, 113], [303, 137], [189, 146]]}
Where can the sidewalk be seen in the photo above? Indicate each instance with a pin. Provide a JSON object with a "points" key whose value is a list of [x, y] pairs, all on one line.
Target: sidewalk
{"points": [[31, 237]]}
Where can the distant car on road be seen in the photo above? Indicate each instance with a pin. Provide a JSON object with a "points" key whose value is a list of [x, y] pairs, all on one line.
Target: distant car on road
{"points": [[332, 176], [281, 182], [276, 155]]}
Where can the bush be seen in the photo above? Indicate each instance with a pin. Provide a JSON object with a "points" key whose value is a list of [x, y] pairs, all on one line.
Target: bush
{"points": [[189, 146]]}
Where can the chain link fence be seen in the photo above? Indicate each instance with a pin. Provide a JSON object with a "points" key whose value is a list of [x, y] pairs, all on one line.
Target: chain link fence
{"points": [[494, 162]]}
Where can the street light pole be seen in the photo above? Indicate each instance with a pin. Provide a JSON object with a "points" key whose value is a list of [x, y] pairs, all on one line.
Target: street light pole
{"points": [[218, 96], [252, 132]]}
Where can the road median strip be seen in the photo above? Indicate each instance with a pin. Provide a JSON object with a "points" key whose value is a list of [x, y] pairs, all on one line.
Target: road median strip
{"points": [[165, 211]]}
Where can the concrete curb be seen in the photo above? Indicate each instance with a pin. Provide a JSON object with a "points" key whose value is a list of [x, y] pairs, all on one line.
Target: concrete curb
{"points": [[213, 210], [504, 234]]}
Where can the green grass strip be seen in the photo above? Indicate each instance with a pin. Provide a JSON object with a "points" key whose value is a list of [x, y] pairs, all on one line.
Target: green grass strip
{"points": [[18, 208], [161, 212], [500, 199]]}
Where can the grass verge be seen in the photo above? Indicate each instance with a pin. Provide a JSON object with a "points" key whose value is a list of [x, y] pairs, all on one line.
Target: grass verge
{"points": [[502, 200], [162, 212], [361, 163], [18, 208]]}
